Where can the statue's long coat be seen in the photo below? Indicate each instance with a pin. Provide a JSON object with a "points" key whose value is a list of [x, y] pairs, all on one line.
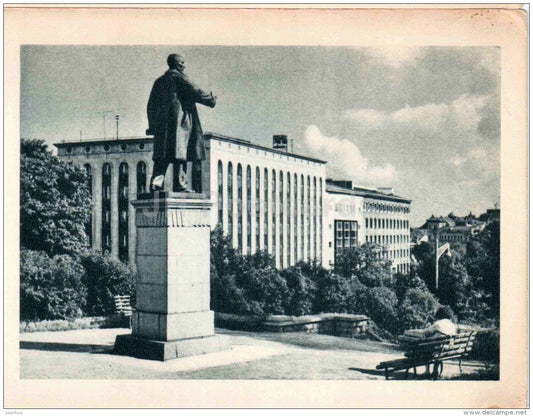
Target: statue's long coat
{"points": [[173, 118]]}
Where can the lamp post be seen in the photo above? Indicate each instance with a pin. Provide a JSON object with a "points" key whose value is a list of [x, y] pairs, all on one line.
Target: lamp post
{"points": [[439, 251]]}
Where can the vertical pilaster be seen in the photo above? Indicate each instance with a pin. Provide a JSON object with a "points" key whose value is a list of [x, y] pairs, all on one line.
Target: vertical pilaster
{"points": [[97, 208], [132, 195], [114, 208]]}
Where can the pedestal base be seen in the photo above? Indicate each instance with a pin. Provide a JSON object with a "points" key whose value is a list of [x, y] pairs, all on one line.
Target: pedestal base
{"points": [[167, 350]]}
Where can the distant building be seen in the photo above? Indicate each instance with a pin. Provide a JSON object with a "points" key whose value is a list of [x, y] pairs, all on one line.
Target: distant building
{"points": [[264, 198], [451, 229], [383, 220]]}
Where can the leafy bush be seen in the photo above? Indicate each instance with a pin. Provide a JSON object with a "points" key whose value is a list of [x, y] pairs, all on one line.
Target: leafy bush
{"points": [[357, 297], [333, 293], [380, 306], [249, 285], [105, 277], [417, 310], [264, 288], [50, 288], [486, 346], [226, 296], [302, 291]]}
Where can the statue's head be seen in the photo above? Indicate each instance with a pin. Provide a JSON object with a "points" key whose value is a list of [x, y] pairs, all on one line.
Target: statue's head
{"points": [[176, 61]]}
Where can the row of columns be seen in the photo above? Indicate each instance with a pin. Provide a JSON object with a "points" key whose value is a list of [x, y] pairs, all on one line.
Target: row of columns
{"points": [[97, 199], [294, 232]]}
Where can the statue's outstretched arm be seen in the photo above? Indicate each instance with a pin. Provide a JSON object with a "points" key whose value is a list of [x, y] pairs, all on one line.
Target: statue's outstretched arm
{"points": [[197, 94]]}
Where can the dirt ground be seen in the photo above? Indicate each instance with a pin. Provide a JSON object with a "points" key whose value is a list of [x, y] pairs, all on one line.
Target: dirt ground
{"points": [[87, 354]]}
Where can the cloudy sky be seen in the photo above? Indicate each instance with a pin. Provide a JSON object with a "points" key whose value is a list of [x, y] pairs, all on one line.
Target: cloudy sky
{"points": [[425, 121]]}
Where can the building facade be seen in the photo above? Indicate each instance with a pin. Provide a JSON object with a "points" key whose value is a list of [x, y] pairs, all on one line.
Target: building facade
{"points": [[263, 198], [378, 218], [266, 199]]}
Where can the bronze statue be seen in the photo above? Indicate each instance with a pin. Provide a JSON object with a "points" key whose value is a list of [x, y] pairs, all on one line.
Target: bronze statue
{"points": [[174, 122]]}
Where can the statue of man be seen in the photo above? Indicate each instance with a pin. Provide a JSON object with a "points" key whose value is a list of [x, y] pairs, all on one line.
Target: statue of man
{"points": [[174, 122]]}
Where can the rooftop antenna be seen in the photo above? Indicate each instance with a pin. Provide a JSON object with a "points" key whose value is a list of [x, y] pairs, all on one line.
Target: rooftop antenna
{"points": [[104, 114]]}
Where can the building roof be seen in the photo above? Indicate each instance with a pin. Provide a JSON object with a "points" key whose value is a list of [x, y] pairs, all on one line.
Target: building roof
{"points": [[98, 141], [364, 192], [208, 136], [248, 143]]}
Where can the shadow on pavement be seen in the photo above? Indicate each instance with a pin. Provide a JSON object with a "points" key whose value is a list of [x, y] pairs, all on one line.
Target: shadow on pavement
{"points": [[368, 371], [59, 346]]}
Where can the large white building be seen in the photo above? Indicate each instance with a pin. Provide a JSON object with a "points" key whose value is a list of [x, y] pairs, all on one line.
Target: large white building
{"points": [[264, 198]]}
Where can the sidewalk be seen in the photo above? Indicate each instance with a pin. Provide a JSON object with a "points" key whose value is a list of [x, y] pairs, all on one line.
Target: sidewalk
{"points": [[86, 354]]}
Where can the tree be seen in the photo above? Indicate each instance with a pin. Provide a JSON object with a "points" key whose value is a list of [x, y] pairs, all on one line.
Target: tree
{"points": [[482, 261], [55, 204], [404, 282], [104, 278], [364, 264]]}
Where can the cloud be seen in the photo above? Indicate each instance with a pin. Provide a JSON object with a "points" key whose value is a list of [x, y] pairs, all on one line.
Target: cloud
{"points": [[368, 116], [467, 113], [479, 164], [430, 114], [395, 55], [346, 159]]}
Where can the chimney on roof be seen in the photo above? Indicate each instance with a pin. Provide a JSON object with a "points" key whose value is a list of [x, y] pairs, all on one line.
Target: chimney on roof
{"points": [[280, 142]]}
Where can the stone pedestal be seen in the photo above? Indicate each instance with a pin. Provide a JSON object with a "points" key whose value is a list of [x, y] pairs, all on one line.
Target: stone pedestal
{"points": [[172, 317]]}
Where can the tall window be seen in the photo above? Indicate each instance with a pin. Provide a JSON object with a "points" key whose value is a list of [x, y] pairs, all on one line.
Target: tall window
{"points": [[302, 230], [141, 178], [248, 210], [315, 237], [239, 208], [320, 208], [220, 200], [289, 233], [106, 208], [230, 201], [123, 208], [89, 224], [274, 247], [308, 225], [345, 236], [265, 226], [257, 208], [295, 216], [281, 230]]}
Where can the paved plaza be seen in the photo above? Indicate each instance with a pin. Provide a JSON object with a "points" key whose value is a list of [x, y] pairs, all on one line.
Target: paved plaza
{"points": [[87, 354]]}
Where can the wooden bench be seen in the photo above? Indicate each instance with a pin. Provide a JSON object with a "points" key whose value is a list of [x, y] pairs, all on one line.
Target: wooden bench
{"points": [[429, 351], [123, 305]]}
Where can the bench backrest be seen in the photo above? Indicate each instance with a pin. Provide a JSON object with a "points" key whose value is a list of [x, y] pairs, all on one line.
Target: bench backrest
{"points": [[443, 347], [123, 305]]}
